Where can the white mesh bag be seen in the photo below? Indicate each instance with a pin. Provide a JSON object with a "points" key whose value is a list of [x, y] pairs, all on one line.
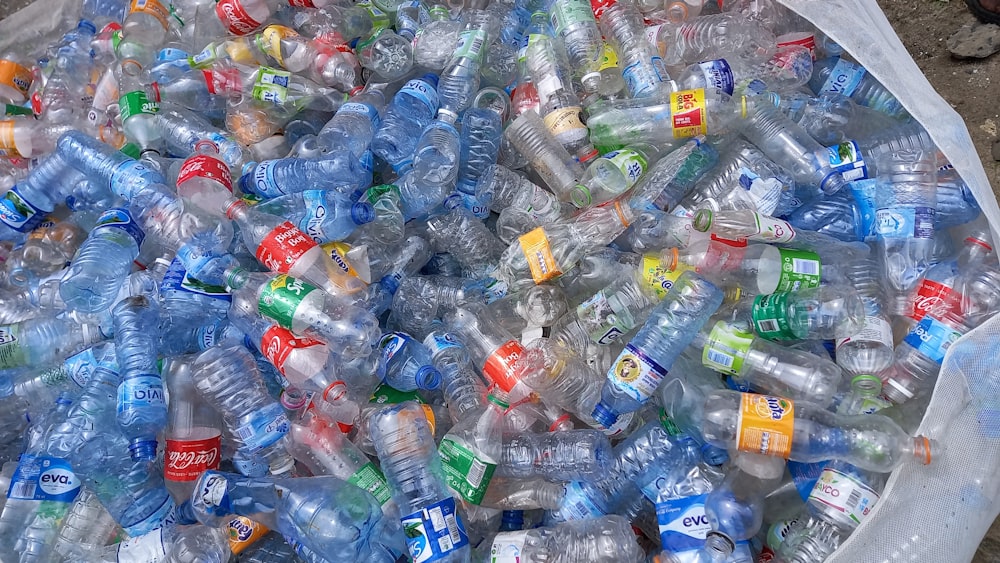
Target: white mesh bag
{"points": [[936, 513]]}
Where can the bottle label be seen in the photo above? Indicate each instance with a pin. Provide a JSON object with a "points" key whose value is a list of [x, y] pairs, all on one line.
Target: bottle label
{"points": [[657, 276], [151, 8], [538, 253], [643, 79], [770, 316], [465, 473], [630, 163], [371, 479], [683, 524], [726, 349], [687, 113], [271, 85], [164, 515], [147, 548], [134, 103], [844, 79], [636, 374], [120, 219], [80, 367], [283, 246], [508, 547], [264, 182], [392, 343], [337, 251], [422, 91], [11, 351], [386, 394], [177, 279], [770, 229], [43, 478], [501, 367], [235, 17], [876, 329], [213, 496], [606, 321], [565, 124], [281, 296], [130, 174], [718, 75], [846, 159], [434, 532], [8, 148], [15, 76], [141, 392], [314, 215], [576, 505], [845, 494], [262, 428], [566, 13], [932, 338], [278, 343], [243, 532], [936, 299], [765, 425], [439, 342], [185, 460], [269, 41], [19, 213], [904, 222], [800, 269], [864, 196], [470, 45], [370, 113], [764, 192], [206, 166]]}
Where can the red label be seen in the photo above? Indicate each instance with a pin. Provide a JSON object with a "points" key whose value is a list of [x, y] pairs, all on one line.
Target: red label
{"points": [[599, 6], [766, 555], [937, 299], [801, 39], [235, 17], [283, 246], [501, 366], [279, 343], [206, 166], [185, 460], [301, 3]]}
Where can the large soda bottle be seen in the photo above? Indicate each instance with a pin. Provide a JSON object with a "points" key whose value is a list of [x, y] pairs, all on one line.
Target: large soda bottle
{"points": [[193, 434]]}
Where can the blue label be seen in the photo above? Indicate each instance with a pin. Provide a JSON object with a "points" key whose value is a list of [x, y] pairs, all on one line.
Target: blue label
{"points": [[263, 428], [140, 392], [576, 505], [164, 515], [80, 367], [177, 279], [683, 523], [364, 109], [864, 196], [314, 215], [131, 175], [472, 204], [171, 54], [932, 338], [718, 75], [120, 219], [213, 495], [264, 184], [844, 79], [904, 222], [43, 478], [18, 213], [422, 91], [434, 532], [440, 342], [846, 159], [392, 343], [805, 475], [639, 80]]}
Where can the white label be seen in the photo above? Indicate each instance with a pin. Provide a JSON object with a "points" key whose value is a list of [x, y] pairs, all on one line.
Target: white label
{"points": [[508, 546], [876, 329], [774, 230], [845, 494], [143, 549]]}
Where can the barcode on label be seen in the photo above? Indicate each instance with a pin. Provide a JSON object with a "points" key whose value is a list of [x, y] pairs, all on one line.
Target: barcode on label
{"points": [[23, 490], [802, 266], [768, 325], [244, 433], [477, 44], [437, 519], [476, 473], [453, 529], [581, 511], [720, 358], [854, 499]]}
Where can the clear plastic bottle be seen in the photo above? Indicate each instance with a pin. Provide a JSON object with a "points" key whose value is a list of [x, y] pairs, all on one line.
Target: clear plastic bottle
{"points": [[503, 188], [193, 434], [407, 363], [641, 366], [605, 539], [183, 129], [840, 76], [102, 263], [435, 41], [324, 215], [494, 351], [86, 529], [46, 340], [228, 379], [142, 407], [919, 356], [802, 431], [708, 37], [642, 67], [411, 109], [461, 386], [30, 138], [574, 455], [459, 80], [471, 451], [172, 544], [137, 111], [405, 444], [464, 236], [666, 183], [480, 141], [822, 313], [870, 349], [204, 179], [787, 69], [354, 124], [553, 164]]}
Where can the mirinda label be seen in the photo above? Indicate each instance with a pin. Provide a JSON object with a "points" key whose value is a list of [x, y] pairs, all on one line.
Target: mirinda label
{"points": [[152, 8], [283, 246], [15, 76], [766, 424], [538, 253], [501, 366], [687, 113]]}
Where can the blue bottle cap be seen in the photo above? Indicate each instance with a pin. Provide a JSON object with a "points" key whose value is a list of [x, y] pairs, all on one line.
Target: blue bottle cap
{"points": [[362, 212], [428, 378], [142, 449], [604, 415]]}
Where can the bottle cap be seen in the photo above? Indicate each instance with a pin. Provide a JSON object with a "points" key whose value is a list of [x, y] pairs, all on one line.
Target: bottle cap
{"points": [[428, 378], [362, 212], [604, 415]]}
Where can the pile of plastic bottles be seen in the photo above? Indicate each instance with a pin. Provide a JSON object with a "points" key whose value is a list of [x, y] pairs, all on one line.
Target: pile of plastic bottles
{"points": [[511, 280]]}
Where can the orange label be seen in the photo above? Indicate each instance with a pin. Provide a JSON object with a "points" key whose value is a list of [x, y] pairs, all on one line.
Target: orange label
{"points": [[766, 424], [564, 121], [536, 249], [243, 532], [15, 76], [152, 8], [429, 413], [687, 113], [501, 366], [7, 146]]}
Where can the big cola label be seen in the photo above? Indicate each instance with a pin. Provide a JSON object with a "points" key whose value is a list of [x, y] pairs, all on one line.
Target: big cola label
{"points": [[935, 299], [185, 460]]}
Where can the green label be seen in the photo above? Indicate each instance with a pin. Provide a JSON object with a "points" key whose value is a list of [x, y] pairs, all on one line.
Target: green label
{"points": [[375, 192], [371, 479], [135, 103], [386, 394], [630, 163], [604, 322], [465, 473], [800, 269], [11, 109], [668, 424], [570, 12], [522, 53], [271, 85], [11, 351], [281, 296], [470, 44], [770, 316], [726, 349]]}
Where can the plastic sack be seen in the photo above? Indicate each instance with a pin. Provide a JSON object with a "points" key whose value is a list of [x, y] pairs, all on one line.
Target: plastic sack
{"points": [[938, 512]]}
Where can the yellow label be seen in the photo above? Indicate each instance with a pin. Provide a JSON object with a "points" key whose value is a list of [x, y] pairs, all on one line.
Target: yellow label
{"points": [[564, 120], [238, 50], [429, 413], [338, 253], [152, 8], [269, 41], [538, 253], [659, 275], [15, 76], [243, 532], [7, 146], [766, 425], [687, 113], [609, 59]]}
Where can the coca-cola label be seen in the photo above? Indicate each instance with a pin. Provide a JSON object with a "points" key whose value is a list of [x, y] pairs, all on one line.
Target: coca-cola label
{"points": [[283, 246], [235, 17], [935, 298], [206, 166], [185, 460], [278, 343]]}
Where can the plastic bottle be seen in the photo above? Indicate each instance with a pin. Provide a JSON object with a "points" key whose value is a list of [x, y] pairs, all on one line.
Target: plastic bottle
{"points": [[461, 386], [44, 341], [459, 80], [137, 111], [204, 179], [102, 263], [787, 69], [605, 539], [142, 408], [554, 165], [575, 455], [407, 363], [642, 67], [17, 78], [823, 313], [388, 55], [673, 176], [471, 450], [193, 434], [354, 124], [840, 76], [709, 37], [324, 215], [411, 109], [480, 142], [919, 356], [86, 528], [870, 349]]}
